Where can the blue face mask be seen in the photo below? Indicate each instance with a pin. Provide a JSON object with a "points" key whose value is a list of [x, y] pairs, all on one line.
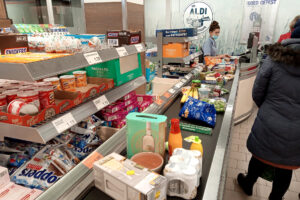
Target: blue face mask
{"points": [[215, 37]]}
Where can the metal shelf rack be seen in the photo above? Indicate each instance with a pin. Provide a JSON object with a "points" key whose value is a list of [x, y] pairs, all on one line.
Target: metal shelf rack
{"points": [[52, 67]]}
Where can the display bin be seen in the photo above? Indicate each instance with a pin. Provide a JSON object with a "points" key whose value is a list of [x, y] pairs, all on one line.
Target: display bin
{"points": [[120, 70]]}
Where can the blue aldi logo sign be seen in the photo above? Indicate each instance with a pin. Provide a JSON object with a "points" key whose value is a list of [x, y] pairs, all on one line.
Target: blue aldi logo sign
{"points": [[198, 15]]}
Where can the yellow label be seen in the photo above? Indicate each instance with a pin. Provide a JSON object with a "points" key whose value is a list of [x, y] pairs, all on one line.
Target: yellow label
{"points": [[157, 195]]}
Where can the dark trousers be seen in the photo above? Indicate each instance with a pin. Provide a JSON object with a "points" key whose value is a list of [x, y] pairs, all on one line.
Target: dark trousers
{"points": [[281, 182]]}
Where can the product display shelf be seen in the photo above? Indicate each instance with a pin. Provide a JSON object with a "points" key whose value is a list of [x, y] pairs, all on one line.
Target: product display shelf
{"points": [[214, 146], [80, 179], [46, 131], [167, 40], [52, 67]]}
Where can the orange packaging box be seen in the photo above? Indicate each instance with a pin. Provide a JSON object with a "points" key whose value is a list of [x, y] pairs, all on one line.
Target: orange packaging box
{"points": [[64, 101], [176, 50]]}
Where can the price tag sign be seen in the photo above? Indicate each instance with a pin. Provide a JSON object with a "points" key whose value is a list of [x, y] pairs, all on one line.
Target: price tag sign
{"points": [[122, 51], [183, 80], [178, 85], [92, 58], [101, 102], [188, 76], [139, 47], [63, 123], [172, 91]]}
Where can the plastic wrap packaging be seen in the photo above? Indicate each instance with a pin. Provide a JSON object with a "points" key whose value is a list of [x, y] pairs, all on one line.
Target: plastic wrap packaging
{"points": [[195, 109]]}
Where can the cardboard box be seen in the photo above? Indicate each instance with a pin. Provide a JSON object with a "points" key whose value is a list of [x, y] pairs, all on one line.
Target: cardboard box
{"points": [[161, 85], [145, 132], [120, 70], [184, 32], [123, 179], [176, 50], [13, 44], [120, 38], [64, 101]]}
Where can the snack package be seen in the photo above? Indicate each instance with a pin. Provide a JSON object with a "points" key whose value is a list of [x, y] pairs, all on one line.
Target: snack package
{"points": [[119, 123], [46, 167], [115, 107], [195, 109], [128, 96]]}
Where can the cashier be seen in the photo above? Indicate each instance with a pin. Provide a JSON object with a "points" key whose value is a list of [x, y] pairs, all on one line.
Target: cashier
{"points": [[210, 47]]}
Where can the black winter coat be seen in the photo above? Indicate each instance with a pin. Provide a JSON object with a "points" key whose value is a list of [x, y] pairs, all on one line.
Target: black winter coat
{"points": [[275, 135]]}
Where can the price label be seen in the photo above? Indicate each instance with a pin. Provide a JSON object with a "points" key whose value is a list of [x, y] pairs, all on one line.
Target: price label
{"points": [[139, 47], [183, 80], [63, 123], [92, 58], [188, 76], [172, 91], [122, 51], [178, 85], [101, 102]]}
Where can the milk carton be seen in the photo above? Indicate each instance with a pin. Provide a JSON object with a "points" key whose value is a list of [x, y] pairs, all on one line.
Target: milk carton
{"points": [[183, 172]]}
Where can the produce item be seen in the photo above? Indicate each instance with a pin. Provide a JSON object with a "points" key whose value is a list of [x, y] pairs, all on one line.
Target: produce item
{"points": [[68, 83], [136, 182], [175, 137], [80, 77], [196, 143], [137, 130], [219, 103], [54, 81], [46, 96], [184, 170], [3, 103], [20, 107], [30, 97], [198, 110], [150, 160]]}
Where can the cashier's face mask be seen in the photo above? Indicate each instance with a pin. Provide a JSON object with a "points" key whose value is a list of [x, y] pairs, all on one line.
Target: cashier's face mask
{"points": [[215, 37]]}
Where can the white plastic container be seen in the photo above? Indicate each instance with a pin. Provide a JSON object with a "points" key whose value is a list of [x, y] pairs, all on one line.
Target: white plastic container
{"points": [[183, 172]]}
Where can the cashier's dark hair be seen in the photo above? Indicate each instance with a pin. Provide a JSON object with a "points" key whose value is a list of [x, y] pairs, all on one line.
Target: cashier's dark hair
{"points": [[213, 26]]}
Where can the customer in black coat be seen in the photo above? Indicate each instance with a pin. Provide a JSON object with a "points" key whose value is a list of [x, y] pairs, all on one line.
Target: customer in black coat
{"points": [[275, 136]]}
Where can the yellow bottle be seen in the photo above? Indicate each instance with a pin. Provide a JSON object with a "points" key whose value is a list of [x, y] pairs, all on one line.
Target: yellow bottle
{"points": [[197, 145]]}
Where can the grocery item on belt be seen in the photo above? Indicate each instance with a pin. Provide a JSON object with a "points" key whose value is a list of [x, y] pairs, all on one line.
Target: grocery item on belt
{"points": [[184, 171], [80, 77], [30, 97], [20, 107], [68, 82], [54, 81], [3, 103], [195, 109], [46, 96]]}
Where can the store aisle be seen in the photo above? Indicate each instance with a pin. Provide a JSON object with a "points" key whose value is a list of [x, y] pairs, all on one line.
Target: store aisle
{"points": [[239, 157]]}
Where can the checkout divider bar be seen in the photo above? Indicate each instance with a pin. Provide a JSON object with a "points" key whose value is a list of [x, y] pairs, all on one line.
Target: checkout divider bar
{"points": [[80, 178]]}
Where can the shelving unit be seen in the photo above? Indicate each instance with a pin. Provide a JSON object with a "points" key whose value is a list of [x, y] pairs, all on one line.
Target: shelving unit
{"points": [[52, 67], [81, 178], [44, 132], [161, 40]]}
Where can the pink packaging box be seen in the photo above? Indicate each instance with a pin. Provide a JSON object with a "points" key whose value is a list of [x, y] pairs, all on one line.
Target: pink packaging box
{"points": [[115, 107], [14, 192], [131, 106], [143, 98], [129, 101], [119, 123], [144, 105], [116, 116], [4, 177], [128, 96]]}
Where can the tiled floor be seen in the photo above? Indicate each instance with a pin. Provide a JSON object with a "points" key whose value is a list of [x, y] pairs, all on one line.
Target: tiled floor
{"points": [[238, 161]]}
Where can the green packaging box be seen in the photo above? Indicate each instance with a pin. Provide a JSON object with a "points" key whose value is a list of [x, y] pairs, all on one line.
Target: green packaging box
{"points": [[146, 133], [120, 70]]}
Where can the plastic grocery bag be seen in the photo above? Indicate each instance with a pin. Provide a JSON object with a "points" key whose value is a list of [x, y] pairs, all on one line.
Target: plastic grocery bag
{"points": [[195, 109]]}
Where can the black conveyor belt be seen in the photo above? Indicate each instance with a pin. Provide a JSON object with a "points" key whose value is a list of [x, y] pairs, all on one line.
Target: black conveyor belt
{"points": [[208, 141]]}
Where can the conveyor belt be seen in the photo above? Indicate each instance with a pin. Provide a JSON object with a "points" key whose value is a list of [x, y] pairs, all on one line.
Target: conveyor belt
{"points": [[209, 144]]}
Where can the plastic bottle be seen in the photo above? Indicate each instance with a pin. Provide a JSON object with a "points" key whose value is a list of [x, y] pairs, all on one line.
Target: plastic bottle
{"points": [[148, 140], [175, 138], [197, 145]]}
